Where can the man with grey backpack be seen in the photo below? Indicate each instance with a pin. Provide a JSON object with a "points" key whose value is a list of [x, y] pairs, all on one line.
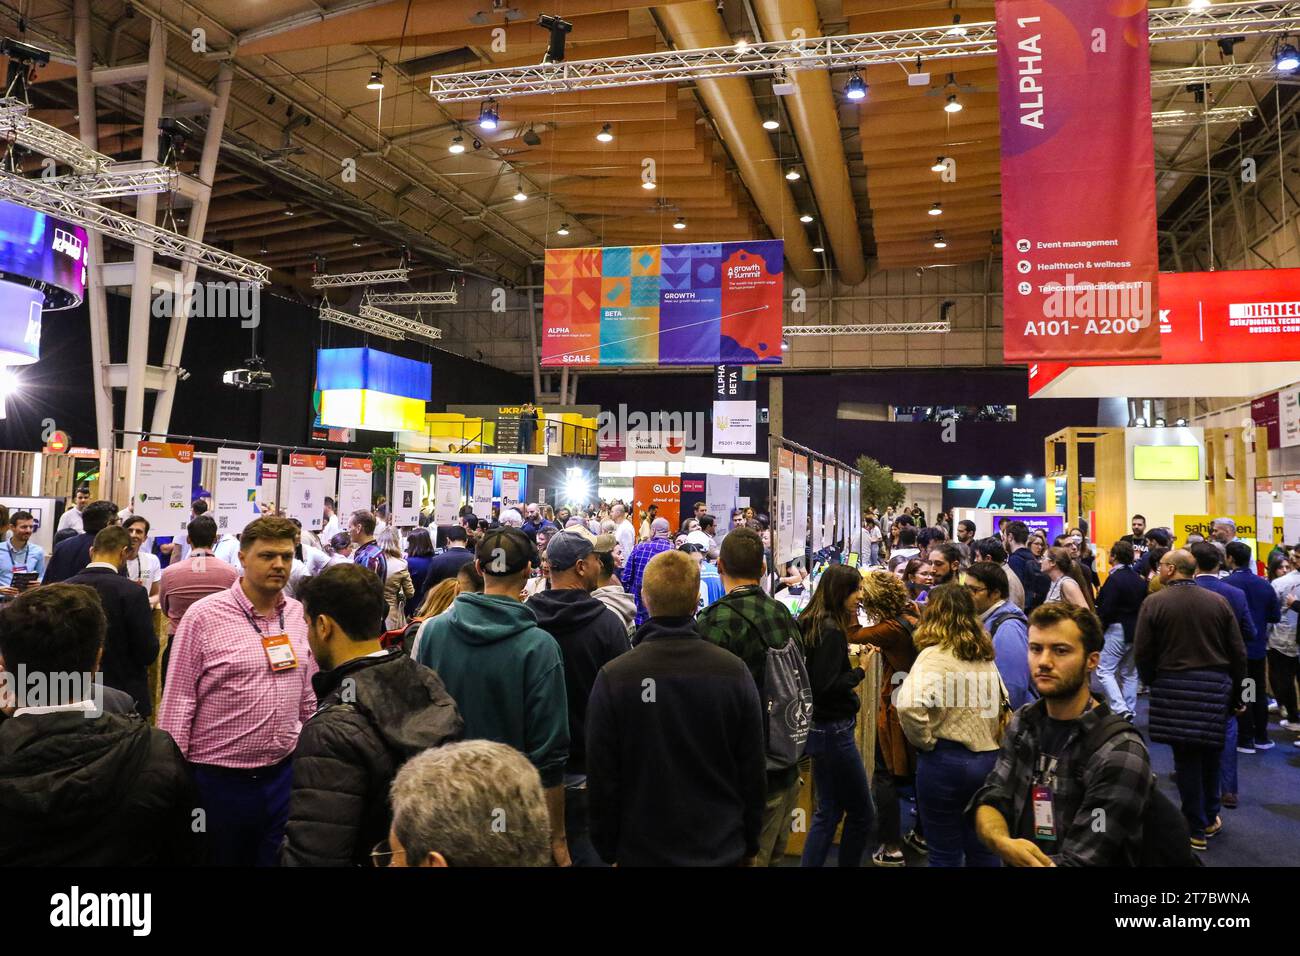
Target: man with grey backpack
{"points": [[761, 632]]}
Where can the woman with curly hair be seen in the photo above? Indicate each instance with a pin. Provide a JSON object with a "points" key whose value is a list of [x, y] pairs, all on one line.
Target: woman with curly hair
{"points": [[894, 616], [950, 707]]}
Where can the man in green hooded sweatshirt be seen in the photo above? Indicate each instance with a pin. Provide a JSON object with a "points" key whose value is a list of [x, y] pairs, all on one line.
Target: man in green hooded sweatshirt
{"points": [[504, 672]]}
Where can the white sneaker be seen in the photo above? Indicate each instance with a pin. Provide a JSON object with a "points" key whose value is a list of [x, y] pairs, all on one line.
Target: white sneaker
{"points": [[1266, 745], [1272, 706], [1290, 725]]}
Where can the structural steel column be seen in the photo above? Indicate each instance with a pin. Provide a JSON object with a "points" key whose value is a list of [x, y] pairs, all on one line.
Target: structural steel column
{"points": [[95, 300], [137, 353], [162, 411]]}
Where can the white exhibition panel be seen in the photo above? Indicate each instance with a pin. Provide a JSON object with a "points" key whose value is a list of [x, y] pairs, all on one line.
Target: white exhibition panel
{"points": [[1218, 380]]}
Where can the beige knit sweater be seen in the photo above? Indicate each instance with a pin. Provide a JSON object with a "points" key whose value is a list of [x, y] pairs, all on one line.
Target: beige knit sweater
{"points": [[944, 698]]}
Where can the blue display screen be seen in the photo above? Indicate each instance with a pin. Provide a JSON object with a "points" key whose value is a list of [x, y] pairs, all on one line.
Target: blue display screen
{"points": [[45, 253]]}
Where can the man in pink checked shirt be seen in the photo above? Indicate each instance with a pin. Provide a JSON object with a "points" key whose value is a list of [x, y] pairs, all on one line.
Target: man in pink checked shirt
{"points": [[238, 691]]}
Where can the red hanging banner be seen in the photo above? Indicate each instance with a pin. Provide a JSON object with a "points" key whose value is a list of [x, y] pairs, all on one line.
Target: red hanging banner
{"points": [[1079, 258]]}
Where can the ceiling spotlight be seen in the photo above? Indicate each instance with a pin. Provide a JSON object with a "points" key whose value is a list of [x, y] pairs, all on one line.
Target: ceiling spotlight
{"points": [[939, 241], [376, 81], [1181, 423], [680, 223], [288, 212], [1160, 423], [563, 230], [939, 166], [531, 138], [953, 105], [771, 123], [936, 209], [488, 117], [792, 174], [957, 30], [520, 195], [856, 88], [818, 250], [605, 136], [1198, 5], [559, 31], [1287, 59], [262, 251], [356, 243], [457, 145], [805, 218], [742, 45], [1141, 423], [648, 184]]}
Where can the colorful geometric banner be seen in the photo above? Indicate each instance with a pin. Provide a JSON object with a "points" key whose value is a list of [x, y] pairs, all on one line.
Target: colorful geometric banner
{"points": [[1079, 259], [694, 304]]}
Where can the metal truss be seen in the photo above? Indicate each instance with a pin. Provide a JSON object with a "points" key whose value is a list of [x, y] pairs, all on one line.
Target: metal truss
{"points": [[119, 179], [854, 51], [412, 327], [16, 126], [896, 328], [415, 298], [360, 278], [39, 195], [1219, 73], [1219, 114], [365, 325]]}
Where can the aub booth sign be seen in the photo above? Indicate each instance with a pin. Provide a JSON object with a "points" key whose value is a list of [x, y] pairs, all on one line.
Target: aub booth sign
{"points": [[42, 268]]}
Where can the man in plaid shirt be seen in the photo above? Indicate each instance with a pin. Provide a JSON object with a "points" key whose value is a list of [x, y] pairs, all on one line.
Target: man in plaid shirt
{"points": [[634, 569], [747, 621], [1051, 799]]}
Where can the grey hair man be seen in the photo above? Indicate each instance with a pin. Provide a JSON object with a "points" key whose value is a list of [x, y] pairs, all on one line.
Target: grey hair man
{"points": [[476, 803], [1223, 530]]}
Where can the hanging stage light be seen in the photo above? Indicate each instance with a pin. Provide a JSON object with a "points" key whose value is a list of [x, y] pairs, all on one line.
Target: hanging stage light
{"points": [[1287, 59], [856, 88], [953, 105], [457, 145], [488, 117], [605, 136]]}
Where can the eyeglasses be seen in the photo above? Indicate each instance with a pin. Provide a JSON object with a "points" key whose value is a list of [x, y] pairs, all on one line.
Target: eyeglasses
{"points": [[976, 588], [381, 854]]}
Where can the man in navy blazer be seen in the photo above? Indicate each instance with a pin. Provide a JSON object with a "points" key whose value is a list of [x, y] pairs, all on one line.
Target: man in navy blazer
{"points": [[71, 556], [1265, 609], [131, 643]]}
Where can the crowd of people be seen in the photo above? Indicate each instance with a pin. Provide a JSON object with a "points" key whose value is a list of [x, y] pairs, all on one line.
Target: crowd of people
{"points": [[594, 687]]}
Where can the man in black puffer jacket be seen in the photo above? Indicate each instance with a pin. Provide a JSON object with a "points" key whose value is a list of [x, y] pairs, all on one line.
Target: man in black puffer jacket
{"points": [[377, 709], [590, 635], [78, 789]]}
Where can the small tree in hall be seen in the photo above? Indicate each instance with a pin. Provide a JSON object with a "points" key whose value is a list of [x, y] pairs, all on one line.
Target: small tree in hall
{"points": [[880, 489]]}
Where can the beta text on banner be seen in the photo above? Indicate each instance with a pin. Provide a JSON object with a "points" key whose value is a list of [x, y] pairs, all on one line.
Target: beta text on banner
{"points": [[1074, 92], [482, 497], [446, 496], [164, 477], [308, 486], [354, 487], [735, 410], [239, 482]]}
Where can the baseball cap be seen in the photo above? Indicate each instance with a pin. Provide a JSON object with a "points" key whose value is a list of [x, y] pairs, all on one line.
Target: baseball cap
{"points": [[569, 547], [606, 543], [505, 551]]}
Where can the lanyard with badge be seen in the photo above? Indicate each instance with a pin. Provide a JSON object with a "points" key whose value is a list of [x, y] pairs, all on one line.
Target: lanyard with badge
{"points": [[279, 651], [1041, 794], [13, 561]]}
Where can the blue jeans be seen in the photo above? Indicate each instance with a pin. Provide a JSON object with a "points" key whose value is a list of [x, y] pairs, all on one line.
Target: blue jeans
{"points": [[946, 779], [1117, 672], [1198, 784], [1228, 760], [840, 780]]}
